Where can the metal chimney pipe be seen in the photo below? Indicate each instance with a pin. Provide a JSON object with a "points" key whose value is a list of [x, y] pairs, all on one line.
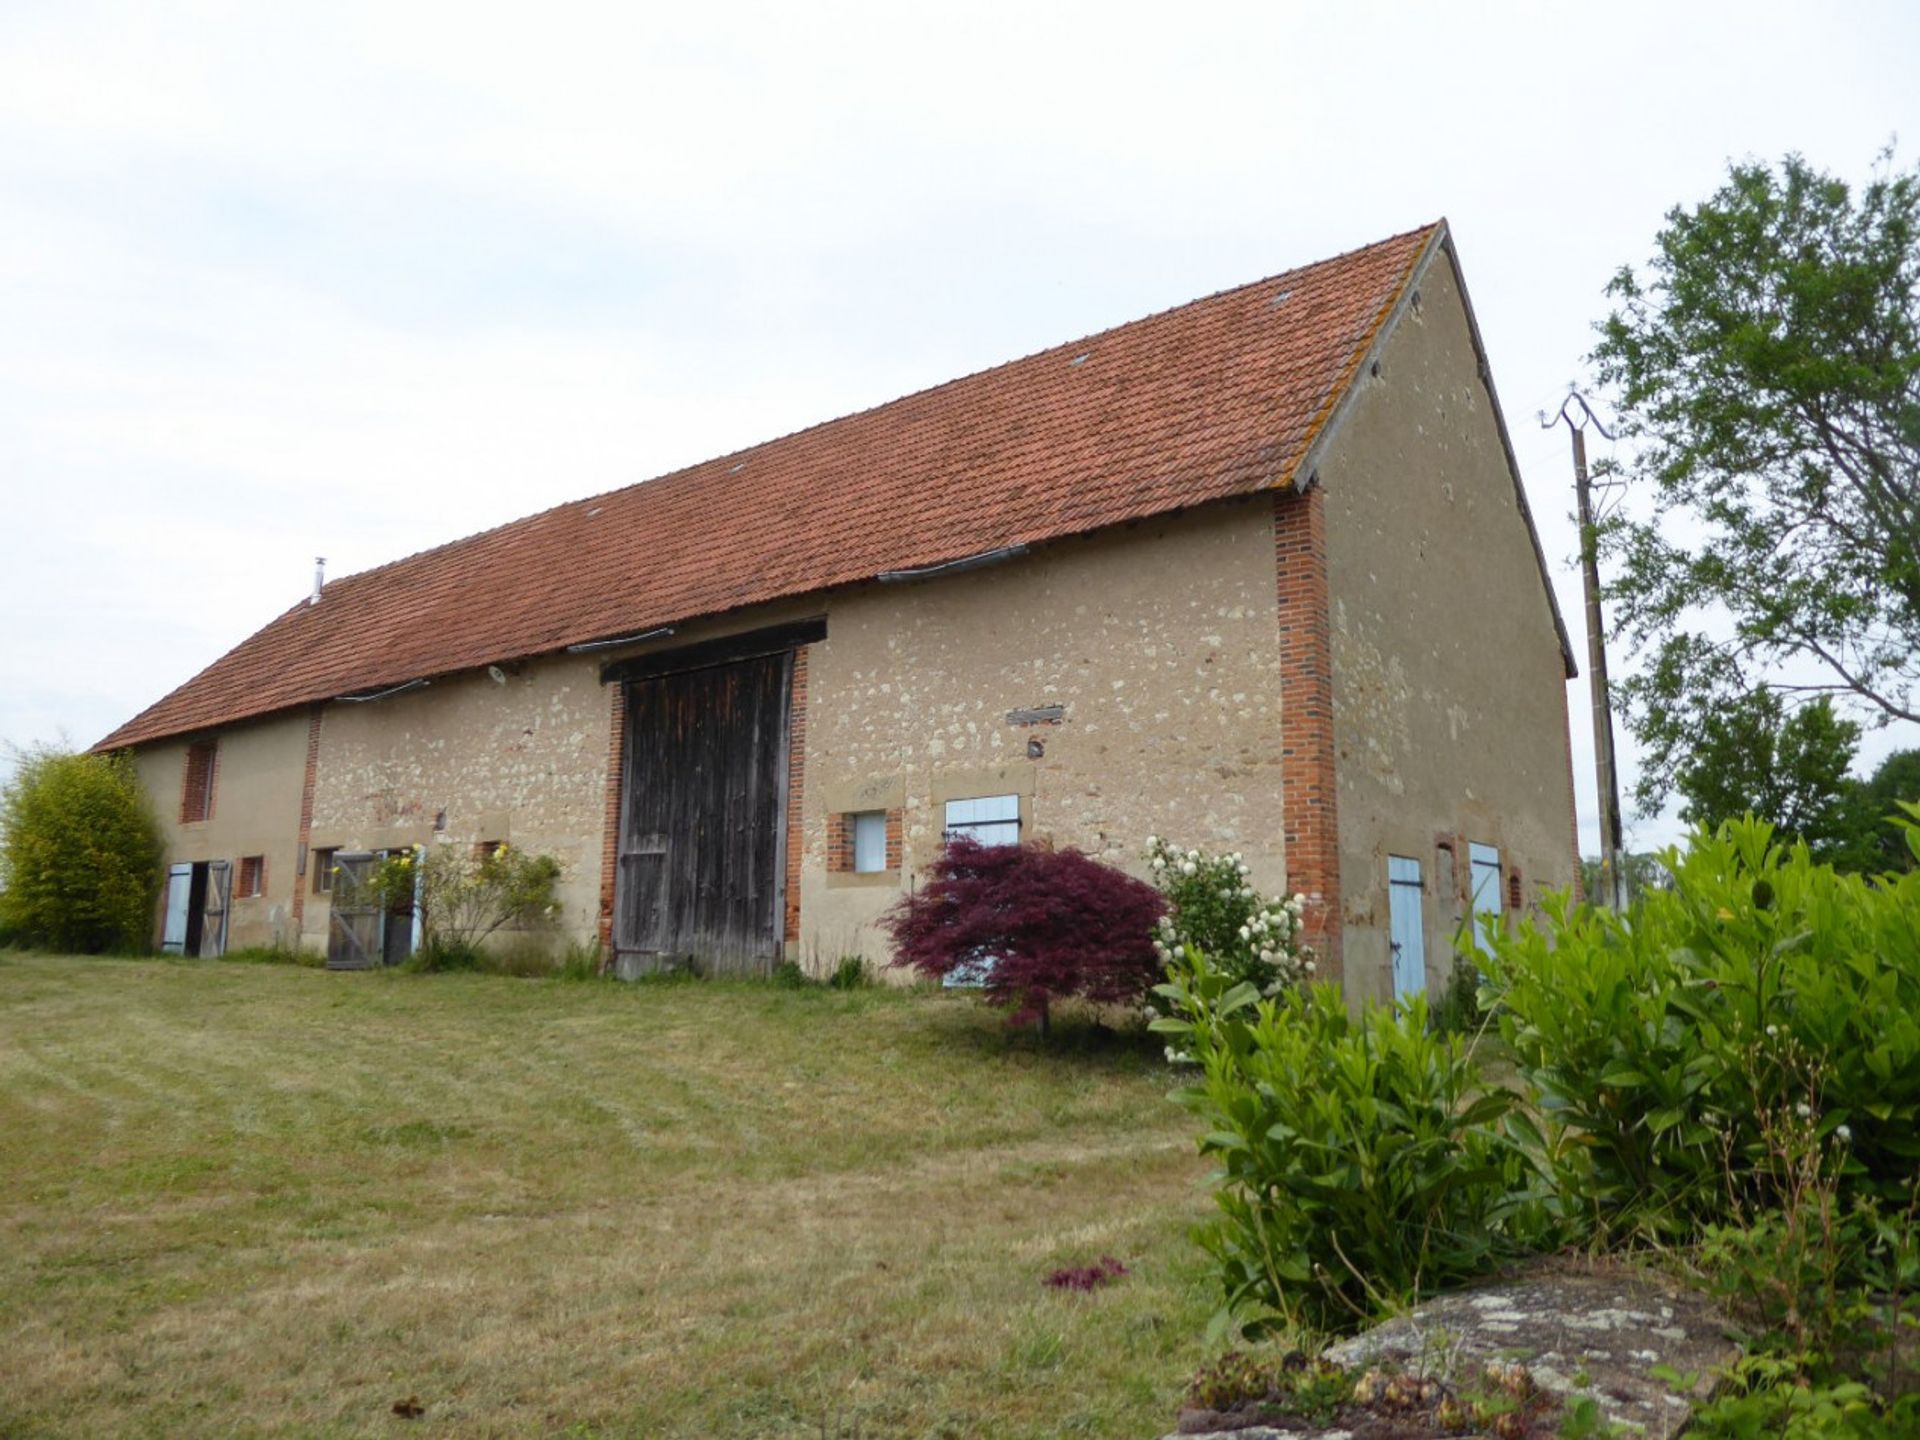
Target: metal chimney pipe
{"points": [[319, 578]]}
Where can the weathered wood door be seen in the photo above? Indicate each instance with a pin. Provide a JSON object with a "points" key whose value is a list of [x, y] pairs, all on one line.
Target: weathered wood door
{"points": [[702, 865], [213, 921], [356, 929]]}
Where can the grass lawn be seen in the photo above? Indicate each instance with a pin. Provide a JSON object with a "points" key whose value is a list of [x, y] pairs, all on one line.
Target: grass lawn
{"points": [[262, 1200]]}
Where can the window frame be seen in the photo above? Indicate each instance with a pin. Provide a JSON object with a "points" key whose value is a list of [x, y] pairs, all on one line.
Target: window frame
{"points": [[254, 866], [987, 829], [867, 842]]}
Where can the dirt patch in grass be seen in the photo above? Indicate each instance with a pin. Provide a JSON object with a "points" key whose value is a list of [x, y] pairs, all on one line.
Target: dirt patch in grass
{"points": [[264, 1200]]}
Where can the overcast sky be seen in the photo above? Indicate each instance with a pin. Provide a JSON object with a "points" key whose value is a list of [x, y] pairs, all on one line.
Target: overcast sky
{"points": [[279, 281]]}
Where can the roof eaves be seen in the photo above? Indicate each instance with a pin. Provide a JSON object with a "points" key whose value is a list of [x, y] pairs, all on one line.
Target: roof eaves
{"points": [[1300, 473]]}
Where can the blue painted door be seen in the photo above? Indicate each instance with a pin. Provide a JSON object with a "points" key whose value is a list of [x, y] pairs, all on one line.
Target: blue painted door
{"points": [[173, 934], [1407, 926], [1485, 860]]}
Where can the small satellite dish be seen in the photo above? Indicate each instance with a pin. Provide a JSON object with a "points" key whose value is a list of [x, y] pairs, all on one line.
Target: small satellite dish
{"points": [[496, 674]]}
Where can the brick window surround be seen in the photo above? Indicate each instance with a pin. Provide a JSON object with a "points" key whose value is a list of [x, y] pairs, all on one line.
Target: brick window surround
{"points": [[252, 879], [196, 787], [840, 842]]}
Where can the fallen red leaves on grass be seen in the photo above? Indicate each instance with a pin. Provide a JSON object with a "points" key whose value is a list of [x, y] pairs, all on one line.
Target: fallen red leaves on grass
{"points": [[1087, 1277]]}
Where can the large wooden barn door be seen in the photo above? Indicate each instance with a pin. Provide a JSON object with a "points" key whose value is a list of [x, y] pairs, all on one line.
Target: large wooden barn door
{"points": [[701, 882]]}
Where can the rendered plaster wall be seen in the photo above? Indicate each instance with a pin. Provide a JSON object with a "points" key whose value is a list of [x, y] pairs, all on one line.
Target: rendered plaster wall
{"points": [[468, 759], [1158, 640], [1448, 681], [259, 771]]}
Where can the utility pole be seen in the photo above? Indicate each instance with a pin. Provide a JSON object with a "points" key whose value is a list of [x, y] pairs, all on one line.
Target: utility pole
{"points": [[1613, 871]]}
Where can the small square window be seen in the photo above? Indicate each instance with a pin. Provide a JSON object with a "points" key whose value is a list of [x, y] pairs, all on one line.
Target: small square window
{"points": [[869, 841], [253, 877], [323, 870], [989, 820]]}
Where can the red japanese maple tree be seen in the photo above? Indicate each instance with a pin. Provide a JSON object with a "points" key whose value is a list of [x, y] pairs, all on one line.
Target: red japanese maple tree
{"points": [[1035, 924]]}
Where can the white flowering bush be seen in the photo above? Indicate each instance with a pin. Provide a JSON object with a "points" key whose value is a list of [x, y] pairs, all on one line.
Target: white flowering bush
{"points": [[1213, 907]]}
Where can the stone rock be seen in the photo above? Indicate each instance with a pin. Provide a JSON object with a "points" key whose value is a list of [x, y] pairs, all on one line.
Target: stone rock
{"points": [[1595, 1330], [1580, 1329]]}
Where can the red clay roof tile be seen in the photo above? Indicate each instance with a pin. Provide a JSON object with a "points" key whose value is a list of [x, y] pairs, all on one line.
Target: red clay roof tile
{"points": [[1217, 398]]}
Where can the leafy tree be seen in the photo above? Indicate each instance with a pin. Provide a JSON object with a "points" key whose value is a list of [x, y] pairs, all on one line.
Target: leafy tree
{"points": [[1644, 873], [1754, 756], [1035, 924], [1767, 365], [1880, 843], [80, 853]]}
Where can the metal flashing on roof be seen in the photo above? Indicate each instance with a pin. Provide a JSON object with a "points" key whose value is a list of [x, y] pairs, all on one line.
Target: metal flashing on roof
{"points": [[382, 694], [587, 647], [953, 567], [724, 650]]}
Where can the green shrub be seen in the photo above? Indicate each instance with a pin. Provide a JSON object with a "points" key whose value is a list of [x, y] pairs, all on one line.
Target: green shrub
{"points": [[1458, 1012], [522, 959], [788, 975], [1768, 1401], [852, 973], [1361, 1163], [445, 957], [1656, 1044], [80, 853], [273, 955], [581, 960]]}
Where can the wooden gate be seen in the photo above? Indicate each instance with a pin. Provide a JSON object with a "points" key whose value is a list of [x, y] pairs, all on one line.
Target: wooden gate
{"points": [[702, 877], [357, 929]]}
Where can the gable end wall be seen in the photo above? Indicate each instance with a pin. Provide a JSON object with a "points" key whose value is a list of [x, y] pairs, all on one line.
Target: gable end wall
{"points": [[1449, 684]]}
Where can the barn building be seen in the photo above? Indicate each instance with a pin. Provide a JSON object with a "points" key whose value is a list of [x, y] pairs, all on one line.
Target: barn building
{"points": [[1256, 573]]}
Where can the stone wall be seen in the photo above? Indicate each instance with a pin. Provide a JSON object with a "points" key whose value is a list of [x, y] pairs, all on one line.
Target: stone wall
{"points": [[520, 760]]}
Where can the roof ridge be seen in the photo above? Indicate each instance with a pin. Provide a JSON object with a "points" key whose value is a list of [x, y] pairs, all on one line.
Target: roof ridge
{"points": [[934, 389]]}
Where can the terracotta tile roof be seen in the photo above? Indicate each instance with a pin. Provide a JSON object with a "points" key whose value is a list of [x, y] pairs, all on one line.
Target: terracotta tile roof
{"points": [[1216, 398]]}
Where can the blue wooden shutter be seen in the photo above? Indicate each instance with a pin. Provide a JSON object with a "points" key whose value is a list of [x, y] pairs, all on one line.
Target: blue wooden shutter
{"points": [[1407, 926]]}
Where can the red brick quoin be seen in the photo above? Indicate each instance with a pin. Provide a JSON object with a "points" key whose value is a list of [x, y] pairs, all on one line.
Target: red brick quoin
{"points": [[796, 792], [1306, 719], [300, 881], [610, 829]]}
